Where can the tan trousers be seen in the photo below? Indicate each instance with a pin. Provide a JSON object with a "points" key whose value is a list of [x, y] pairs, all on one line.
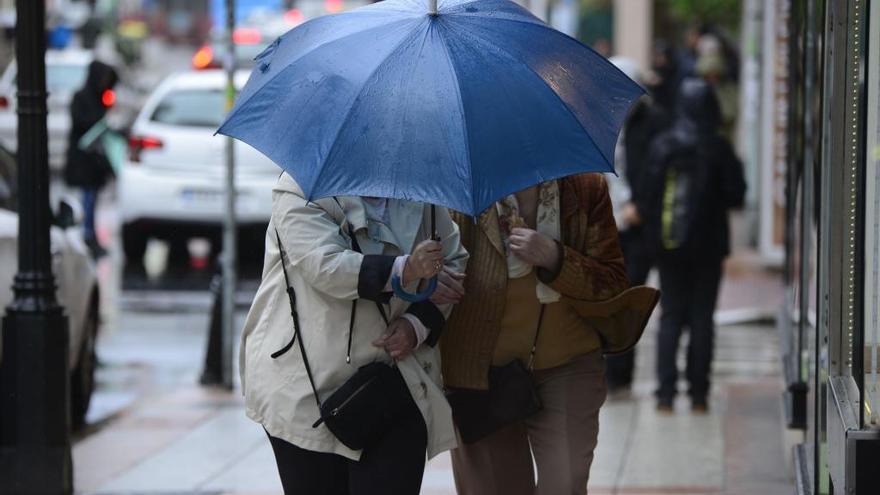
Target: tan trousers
{"points": [[562, 437]]}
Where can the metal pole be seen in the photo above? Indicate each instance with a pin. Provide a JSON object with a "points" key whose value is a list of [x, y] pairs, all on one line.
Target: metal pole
{"points": [[433, 7], [230, 229], [34, 420]]}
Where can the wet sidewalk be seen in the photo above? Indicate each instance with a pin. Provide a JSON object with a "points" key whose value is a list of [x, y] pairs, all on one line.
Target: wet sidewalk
{"points": [[190, 440]]}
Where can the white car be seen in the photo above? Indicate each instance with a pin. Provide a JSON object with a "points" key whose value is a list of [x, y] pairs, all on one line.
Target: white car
{"points": [[172, 184], [66, 72], [75, 278]]}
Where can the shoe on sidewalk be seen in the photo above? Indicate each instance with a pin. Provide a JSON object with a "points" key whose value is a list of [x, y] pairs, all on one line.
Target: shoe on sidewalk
{"points": [[620, 393], [700, 405], [666, 405]]}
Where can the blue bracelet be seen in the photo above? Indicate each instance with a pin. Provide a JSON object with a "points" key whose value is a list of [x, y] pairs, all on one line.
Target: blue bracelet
{"points": [[413, 298]]}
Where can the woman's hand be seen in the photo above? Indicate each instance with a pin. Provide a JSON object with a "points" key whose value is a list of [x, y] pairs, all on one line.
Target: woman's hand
{"points": [[449, 287], [534, 248], [631, 215], [425, 261], [399, 339]]}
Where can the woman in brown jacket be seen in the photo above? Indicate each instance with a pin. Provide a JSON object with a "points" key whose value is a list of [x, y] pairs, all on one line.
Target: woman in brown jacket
{"points": [[529, 250]]}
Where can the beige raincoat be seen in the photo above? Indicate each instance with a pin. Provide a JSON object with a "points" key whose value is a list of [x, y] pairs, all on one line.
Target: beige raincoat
{"points": [[327, 275]]}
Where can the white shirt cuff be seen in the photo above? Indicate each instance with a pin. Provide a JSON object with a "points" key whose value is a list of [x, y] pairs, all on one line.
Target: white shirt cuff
{"points": [[420, 329], [396, 269]]}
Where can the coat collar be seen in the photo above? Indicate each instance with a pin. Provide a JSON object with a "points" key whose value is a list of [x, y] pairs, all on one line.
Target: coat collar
{"points": [[405, 221], [488, 222], [568, 202]]}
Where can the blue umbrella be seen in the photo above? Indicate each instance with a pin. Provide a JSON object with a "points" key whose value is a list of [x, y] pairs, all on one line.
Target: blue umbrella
{"points": [[456, 104]]}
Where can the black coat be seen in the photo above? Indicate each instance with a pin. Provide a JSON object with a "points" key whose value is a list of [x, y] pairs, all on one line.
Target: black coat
{"points": [[717, 181], [88, 168]]}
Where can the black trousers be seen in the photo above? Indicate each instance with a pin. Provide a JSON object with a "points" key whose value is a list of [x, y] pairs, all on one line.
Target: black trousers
{"points": [[394, 466], [619, 369], [689, 294]]}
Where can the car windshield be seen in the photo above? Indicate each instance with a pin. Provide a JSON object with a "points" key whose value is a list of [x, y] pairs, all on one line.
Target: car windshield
{"points": [[65, 78], [191, 108]]}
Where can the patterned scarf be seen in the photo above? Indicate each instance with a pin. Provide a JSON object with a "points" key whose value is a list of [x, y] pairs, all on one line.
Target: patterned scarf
{"points": [[548, 224]]}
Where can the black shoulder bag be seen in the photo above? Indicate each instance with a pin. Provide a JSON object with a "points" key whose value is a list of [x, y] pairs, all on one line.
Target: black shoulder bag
{"points": [[370, 403], [511, 397]]}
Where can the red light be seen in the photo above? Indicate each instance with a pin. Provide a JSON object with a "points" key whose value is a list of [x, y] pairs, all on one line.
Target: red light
{"points": [[136, 144], [203, 59], [4, 103], [333, 6], [108, 98], [293, 17], [246, 36]]}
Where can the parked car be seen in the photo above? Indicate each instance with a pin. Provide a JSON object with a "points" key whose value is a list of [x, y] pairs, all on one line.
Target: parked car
{"points": [[66, 72], [75, 277], [171, 186]]}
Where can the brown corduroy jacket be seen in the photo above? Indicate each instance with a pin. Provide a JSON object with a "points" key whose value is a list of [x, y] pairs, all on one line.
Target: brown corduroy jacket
{"points": [[591, 269]]}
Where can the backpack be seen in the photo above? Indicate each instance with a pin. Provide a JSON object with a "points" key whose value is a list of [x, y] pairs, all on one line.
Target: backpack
{"points": [[680, 201]]}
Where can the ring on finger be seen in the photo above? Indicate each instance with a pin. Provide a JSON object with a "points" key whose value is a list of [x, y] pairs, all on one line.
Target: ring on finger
{"points": [[438, 266]]}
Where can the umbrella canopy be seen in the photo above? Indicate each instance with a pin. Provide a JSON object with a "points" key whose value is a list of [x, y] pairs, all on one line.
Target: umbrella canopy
{"points": [[457, 108]]}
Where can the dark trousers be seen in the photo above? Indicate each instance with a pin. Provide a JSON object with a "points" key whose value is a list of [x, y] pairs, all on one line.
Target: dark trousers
{"points": [[89, 202], [689, 294], [620, 369], [394, 466]]}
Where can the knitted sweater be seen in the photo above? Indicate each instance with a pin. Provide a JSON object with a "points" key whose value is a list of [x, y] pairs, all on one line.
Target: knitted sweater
{"points": [[591, 269]]}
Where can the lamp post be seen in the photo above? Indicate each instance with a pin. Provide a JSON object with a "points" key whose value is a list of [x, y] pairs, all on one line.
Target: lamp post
{"points": [[34, 419], [230, 226]]}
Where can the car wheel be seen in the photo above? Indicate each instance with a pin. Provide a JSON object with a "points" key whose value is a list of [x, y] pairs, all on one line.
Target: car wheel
{"points": [[134, 243], [82, 380], [178, 251]]}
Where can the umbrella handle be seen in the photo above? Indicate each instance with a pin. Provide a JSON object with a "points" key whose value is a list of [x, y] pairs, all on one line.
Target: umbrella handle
{"points": [[413, 298]]}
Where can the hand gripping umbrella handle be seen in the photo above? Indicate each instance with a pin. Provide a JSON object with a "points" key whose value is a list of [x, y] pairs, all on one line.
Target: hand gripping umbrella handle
{"points": [[413, 298], [400, 292]]}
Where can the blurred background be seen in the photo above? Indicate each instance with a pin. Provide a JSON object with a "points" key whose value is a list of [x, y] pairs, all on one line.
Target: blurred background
{"points": [[142, 290]]}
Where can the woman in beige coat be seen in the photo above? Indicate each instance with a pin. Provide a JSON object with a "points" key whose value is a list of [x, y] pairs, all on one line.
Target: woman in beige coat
{"points": [[327, 274]]}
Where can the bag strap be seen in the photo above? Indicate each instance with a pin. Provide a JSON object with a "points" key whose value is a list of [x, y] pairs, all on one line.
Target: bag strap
{"points": [[291, 296], [535, 341]]}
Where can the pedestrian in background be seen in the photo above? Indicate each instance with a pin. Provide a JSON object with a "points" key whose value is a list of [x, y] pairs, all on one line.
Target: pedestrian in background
{"points": [[89, 169], [643, 124], [692, 180], [338, 257], [527, 252], [712, 66], [665, 76]]}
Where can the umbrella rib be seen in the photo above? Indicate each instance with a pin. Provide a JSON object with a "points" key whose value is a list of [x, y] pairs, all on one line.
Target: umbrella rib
{"points": [[467, 141], [350, 111], [565, 105]]}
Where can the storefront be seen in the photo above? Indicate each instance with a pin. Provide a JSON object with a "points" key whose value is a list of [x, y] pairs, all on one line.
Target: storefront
{"points": [[830, 324]]}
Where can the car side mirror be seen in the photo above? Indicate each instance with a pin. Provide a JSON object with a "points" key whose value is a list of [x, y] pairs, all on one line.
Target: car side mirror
{"points": [[69, 213]]}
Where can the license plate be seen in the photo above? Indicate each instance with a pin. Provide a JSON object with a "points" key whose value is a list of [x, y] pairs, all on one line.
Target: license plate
{"points": [[201, 196]]}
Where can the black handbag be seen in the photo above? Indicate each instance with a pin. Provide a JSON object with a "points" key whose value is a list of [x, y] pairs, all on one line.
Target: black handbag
{"points": [[510, 398], [370, 403]]}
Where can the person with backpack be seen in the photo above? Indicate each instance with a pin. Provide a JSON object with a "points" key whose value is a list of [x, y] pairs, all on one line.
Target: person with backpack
{"points": [[691, 180]]}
